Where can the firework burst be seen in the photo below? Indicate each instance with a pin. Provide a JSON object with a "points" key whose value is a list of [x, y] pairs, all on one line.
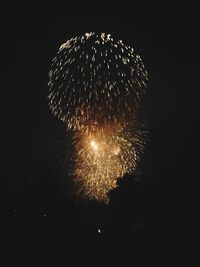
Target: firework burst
{"points": [[96, 86], [96, 80], [104, 156]]}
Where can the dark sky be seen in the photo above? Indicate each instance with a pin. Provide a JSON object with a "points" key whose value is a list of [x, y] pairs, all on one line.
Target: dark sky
{"points": [[166, 37]]}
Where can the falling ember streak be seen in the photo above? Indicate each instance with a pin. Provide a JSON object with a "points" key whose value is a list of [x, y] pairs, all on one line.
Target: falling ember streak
{"points": [[96, 86]]}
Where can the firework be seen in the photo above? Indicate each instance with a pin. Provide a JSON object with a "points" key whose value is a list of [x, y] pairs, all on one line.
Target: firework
{"points": [[103, 157], [95, 80], [96, 86]]}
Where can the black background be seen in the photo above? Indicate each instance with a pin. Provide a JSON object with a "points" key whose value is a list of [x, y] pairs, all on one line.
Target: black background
{"points": [[148, 221]]}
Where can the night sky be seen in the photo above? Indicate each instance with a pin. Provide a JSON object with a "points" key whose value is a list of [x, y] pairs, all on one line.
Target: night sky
{"points": [[149, 220]]}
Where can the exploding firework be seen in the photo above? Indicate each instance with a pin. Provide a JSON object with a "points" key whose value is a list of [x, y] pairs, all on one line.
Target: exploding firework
{"points": [[95, 80], [103, 157], [96, 86]]}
